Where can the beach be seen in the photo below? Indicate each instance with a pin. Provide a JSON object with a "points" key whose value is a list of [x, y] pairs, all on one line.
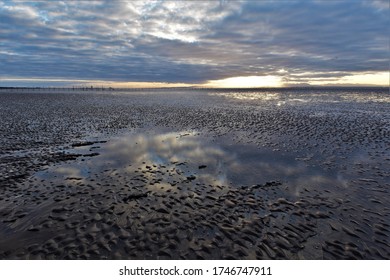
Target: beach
{"points": [[297, 173]]}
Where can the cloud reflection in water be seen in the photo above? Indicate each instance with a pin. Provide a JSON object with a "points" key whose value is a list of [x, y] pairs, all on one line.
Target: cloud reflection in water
{"points": [[182, 153]]}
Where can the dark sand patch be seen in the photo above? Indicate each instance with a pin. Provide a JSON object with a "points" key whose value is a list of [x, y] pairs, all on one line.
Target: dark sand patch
{"points": [[276, 176]]}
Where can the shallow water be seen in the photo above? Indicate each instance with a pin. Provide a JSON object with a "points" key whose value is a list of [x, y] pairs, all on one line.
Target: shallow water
{"points": [[212, 162], [195, 174]]}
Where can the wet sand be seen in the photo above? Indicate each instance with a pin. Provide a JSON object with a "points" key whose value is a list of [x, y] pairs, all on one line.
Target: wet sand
{"points": [[195, 174]]}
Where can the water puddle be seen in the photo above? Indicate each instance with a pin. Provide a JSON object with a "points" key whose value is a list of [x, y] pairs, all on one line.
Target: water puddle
{"points": [[191, 156]]}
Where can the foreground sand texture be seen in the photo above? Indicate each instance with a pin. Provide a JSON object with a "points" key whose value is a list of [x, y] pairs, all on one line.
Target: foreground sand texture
{"points": [[195, 174]]}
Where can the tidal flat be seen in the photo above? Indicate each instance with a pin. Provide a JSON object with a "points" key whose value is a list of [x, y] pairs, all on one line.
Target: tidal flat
{"points": [[195, 174]]}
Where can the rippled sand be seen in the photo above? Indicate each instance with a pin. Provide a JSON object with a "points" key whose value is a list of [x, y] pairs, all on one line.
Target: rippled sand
{"points": [[195, 174]]}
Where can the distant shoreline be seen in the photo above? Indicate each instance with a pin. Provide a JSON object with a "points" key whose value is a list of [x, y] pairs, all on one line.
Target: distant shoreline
{"points": [[191, 88]]}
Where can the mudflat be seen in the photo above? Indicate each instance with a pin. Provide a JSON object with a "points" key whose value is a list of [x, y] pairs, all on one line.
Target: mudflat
{"points": [[195, 174]]}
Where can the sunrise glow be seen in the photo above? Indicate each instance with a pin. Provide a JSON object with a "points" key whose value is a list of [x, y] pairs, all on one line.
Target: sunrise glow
{"points": [[246, 82]]}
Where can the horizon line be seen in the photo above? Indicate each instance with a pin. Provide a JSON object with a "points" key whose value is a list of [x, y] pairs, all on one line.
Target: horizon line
{"points": [[97, 88]]}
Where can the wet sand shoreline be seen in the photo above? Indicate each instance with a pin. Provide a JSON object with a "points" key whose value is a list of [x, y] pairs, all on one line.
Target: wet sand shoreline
{"points": [[195, 175]]}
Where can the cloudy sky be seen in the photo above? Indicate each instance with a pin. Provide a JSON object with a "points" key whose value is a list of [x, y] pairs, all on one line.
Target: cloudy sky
{"points": [[208, 43]]}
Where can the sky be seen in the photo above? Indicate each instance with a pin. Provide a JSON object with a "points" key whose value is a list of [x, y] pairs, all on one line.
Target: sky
{"points": [[264, 43]]}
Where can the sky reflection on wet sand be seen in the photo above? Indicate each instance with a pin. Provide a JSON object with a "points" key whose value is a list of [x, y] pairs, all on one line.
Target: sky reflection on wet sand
{"points": [[230, 164]]}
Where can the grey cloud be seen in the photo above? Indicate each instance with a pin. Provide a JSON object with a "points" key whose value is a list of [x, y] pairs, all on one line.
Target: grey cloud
{"points": [[191, 41]]}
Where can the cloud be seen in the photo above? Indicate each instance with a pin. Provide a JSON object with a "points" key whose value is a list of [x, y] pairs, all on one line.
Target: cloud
{"points": [[192, 41]]}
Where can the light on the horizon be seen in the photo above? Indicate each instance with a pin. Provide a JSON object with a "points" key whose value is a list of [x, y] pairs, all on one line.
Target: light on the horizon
{"points": [[358, 79], [246, 82], [381, 79]]}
